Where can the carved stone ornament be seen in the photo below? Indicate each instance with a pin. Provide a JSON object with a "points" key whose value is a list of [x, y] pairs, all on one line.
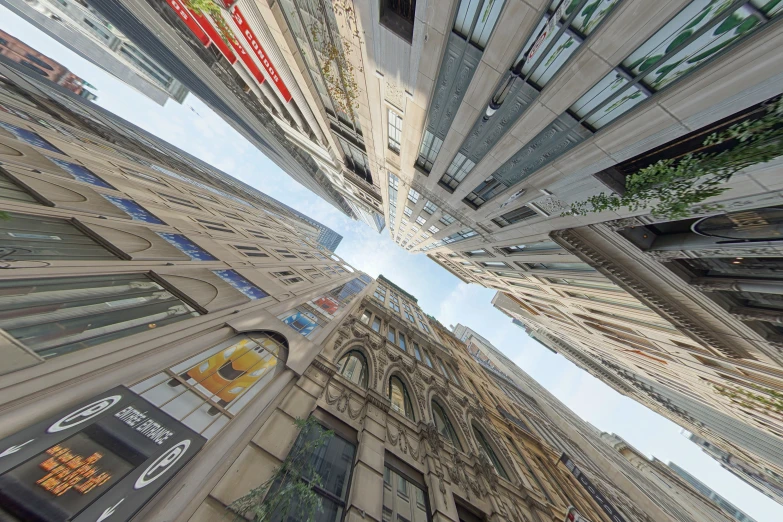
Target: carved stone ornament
{"points": [[323, 368], [401, 438], [429, 433], [619, 224], [486, 469], [342, 402]]}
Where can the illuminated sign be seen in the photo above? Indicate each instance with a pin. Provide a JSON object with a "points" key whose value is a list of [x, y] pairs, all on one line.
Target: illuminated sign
{"points": [[186, 16], [101, 460], [260, 53], [760, 224]]}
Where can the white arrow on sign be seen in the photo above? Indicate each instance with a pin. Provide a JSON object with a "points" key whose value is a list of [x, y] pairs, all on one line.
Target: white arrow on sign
{"points": [[14, 449], [109, 511]]}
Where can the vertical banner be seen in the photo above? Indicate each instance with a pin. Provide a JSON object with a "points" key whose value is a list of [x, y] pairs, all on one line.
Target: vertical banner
{"points": [[246, 58], [260, 53], [216, 37], [186, 17]]}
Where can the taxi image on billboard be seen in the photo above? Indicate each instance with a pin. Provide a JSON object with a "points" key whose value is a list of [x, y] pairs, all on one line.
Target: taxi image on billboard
{"points": [[229, 373]]}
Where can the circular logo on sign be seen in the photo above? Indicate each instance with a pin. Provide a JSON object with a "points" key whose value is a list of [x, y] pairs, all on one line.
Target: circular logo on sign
{"points": [[84, 413], [162, 464]]}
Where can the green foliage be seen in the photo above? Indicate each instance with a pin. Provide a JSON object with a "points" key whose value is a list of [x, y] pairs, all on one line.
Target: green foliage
{"points": [[671, 188], [289, 490], [774, 402], [203, 7]]}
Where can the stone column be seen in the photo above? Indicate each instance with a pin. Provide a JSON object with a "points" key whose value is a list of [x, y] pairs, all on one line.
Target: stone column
{"points": [[365, 500]]}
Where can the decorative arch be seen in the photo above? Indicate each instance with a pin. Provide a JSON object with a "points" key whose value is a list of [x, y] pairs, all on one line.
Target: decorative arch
{"points": [[414, 414], [353, 364], [486, 443], [440, 412]]}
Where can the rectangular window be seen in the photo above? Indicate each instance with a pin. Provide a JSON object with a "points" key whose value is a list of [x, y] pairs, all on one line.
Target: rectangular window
{"points": [[134, 210], [333, 462], [430, 207], [427, 359], [143, 176], [247, 288], [407, 211], [59, 315], [366, 317], [81, 173], [232, 215], [443, 369], [413, 195], [401, 341], [428, 151], [515, 216], [376, 324], [533, 247], [390, 335], [410, 317], [187, 247], [215, 225], [417, 351], [257, 234], [251, 251], [179, 201], [459, 168], [424, 326], [282, 252], [395, 131], [420, 220], [446, 219], [26, 238], [486, 190], [403, 500]]}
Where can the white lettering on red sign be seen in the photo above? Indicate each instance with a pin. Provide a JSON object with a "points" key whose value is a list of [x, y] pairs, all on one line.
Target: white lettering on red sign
{"points": [[183, 13], [258, 50]]}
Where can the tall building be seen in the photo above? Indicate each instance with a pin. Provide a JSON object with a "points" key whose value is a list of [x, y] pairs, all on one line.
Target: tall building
{"points": [[160, 335], [281, 75], [730, 509], [691, 493], [672, 387], [17, 51], [81, 29], [542, 413], [755, 474]]}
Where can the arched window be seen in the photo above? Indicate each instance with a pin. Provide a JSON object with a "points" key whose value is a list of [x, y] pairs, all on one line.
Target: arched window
{"points": [[443, 424], [482, 440], [353, 366], [400, 400]]}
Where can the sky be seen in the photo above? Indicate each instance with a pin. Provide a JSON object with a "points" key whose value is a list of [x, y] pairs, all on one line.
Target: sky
{"points": [[194, 128]]}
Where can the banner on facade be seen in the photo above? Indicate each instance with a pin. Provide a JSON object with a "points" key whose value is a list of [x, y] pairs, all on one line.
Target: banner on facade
{"points": [[186, 16], [260, 53], [605, 505], [100, 460], [218, 39]]}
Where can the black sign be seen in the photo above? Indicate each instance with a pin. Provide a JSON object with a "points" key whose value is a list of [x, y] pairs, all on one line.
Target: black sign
{"points": [[761, 224], [608, 508], [101, 460]]}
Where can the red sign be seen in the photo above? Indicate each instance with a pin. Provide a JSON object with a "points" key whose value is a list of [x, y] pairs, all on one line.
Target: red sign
{"points": [[246, 58], [255, 45], [215, 36], [186, 17]]}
